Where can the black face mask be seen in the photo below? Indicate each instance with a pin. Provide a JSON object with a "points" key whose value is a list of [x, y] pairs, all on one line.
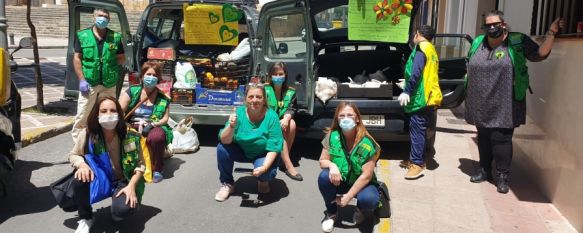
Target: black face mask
{"points": [[495, 32]]}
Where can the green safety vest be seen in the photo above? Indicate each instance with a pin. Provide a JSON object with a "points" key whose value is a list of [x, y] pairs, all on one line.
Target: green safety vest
{"points": [[162, 102], [351, 166], [129, 156], [427, 92], [516, 53], [100, 69], [280, 107]]}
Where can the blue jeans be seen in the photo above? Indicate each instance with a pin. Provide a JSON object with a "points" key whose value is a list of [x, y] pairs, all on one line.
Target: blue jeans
{"points": [[228, 154], [418, 131], [368, 197]]}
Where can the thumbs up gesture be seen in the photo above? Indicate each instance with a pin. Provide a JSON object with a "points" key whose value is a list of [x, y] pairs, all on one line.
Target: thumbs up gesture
{"points": [[233, 118]]}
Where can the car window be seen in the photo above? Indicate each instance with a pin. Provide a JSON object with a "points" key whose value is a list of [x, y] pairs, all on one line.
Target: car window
{"points": [[86, 19], [451, 47], [286, 36], [332, 18]]}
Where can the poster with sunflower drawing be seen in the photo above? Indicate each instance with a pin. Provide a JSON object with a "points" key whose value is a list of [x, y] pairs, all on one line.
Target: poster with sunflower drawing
{"points": [[211, 24], [379, 20]]}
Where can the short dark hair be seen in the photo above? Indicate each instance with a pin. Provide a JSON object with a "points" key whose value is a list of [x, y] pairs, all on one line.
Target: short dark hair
{"points": [[426, 31], [498, 13]]}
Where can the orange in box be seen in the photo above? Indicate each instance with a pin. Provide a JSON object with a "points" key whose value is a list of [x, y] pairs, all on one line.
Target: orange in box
{"points": [[162, 54]]}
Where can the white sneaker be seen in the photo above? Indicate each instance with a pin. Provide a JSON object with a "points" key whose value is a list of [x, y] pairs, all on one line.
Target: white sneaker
{"points": [[328, 223], [84, 225], [358, 217], [224, 192]]}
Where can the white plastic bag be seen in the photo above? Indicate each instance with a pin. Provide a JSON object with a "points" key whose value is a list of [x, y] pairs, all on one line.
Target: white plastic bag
{"points": [[325, 89], [185, 75], [185, 138]]}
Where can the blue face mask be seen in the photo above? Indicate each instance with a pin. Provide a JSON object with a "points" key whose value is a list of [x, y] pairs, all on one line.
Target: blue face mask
{"points": [[101, 22], [277, 80], [150, 81], [347, 124]]}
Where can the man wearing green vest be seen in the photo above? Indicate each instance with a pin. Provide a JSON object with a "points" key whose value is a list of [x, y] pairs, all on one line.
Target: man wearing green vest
{"points": [[421, 96], [97, 60], [497, 80]]}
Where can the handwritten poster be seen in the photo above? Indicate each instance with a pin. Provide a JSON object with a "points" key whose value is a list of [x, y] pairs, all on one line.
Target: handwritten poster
{"points": [[379, 20], [211, 24]]}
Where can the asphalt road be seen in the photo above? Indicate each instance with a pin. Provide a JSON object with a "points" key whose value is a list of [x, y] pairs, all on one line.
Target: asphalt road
{"points": [[183, 202]]}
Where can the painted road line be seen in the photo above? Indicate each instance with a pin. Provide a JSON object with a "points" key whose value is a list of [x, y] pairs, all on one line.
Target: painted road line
{"points": [[32, 120], [383, 174]]}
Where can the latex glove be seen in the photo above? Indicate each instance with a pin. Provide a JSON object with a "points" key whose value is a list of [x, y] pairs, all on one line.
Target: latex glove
{"points": [[403, 99], [401, 83], [84, 87]]}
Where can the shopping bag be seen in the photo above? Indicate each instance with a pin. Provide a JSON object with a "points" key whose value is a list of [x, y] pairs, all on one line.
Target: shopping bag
{"points": [[185, 138], [101, 186], [63, 192], [147, 160]]}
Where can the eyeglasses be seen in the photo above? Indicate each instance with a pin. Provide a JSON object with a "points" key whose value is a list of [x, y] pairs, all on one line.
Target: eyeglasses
{"points": [[491, 25], [341, 116]]}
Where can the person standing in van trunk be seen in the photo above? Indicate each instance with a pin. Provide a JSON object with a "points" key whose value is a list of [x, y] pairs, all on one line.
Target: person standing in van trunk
{"points": [[497, 80], [282, 99], [98, 60], [421, 96]]}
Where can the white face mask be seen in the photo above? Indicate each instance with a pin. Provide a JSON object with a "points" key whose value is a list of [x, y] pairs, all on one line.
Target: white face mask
{"points": [[108, 121]]}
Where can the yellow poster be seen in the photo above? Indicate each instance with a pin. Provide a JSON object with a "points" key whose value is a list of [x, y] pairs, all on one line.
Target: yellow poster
{"points": [[211, 24]]}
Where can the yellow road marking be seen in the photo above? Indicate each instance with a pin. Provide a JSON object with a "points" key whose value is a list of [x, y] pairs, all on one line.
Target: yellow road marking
{"points": [[383, 174]]}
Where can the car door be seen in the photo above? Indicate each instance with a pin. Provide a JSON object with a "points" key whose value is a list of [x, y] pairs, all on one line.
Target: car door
{"points": [[81, 17], [452, 50], [281, 37]]}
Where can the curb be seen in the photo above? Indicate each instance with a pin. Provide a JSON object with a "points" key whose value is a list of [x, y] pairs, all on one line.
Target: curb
{"points": [[43, 134]]}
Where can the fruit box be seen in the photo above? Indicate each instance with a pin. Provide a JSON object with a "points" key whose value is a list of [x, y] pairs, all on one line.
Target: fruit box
{"points": [[219, 97], [167, 54], [385, 90], [182, 96]]}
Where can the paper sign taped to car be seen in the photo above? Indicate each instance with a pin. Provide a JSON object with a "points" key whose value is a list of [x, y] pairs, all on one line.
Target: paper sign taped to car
{"points": [[380, 20], [211, 24]]}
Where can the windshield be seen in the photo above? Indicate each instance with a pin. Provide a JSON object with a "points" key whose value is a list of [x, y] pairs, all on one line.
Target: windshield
{"points": [[332, 18]]}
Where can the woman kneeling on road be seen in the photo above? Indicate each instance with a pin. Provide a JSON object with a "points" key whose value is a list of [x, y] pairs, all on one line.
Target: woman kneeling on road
{"points": [[348, 160], [251, 135], [106, 132], [282, 99], [148, 109]]}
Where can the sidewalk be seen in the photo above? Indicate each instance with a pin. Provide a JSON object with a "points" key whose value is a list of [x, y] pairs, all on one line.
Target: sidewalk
{"points": [[428, 203], [43, 43]]}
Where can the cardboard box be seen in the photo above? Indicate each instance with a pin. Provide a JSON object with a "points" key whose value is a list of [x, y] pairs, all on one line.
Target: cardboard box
{"points": [[182, 96], [384, 91], [167, 54], [219, 97]]}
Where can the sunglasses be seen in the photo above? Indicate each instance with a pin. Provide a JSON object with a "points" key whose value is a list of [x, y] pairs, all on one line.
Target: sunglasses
{"points": [[491, 25]]}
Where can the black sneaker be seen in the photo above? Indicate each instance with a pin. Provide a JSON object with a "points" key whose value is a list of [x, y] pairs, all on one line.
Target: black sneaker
{"points": [[481, 176], [502, 183]]}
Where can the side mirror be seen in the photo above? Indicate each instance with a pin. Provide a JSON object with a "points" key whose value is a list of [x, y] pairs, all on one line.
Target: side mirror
{"points": [[282, 48], [25, 42]]}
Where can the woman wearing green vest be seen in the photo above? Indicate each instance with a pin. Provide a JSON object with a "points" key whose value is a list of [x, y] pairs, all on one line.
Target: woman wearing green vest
{"points": [[348, 160], [251, 135], [497, 80], [282, 99], [106, 132], [147, 108]]}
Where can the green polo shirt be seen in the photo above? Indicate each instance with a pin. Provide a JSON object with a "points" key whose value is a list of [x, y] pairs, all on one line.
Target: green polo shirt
{"points": [[257, 139]]}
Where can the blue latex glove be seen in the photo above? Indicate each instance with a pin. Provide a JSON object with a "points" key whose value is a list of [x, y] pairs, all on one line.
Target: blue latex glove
{"points": [[84, 87]]}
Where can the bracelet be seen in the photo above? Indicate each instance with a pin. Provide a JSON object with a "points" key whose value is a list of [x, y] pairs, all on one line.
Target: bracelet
{"points": [[551, 33]]}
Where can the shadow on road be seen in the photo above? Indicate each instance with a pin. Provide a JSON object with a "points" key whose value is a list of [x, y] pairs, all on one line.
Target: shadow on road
{"points": [[171, 165], [344, 220], [246, 187], [24, 197], [104, 223]]}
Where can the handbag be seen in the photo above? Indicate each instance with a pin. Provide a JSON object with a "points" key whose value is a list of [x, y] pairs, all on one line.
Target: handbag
{"points": [[63, 192], [384, 208], [101, 187]]}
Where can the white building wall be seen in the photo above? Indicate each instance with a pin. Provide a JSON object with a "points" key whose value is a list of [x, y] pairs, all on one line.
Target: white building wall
{"points": [[518, 14]]}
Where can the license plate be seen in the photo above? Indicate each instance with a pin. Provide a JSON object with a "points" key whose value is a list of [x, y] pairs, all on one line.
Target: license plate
{"points": [[373, 120]]}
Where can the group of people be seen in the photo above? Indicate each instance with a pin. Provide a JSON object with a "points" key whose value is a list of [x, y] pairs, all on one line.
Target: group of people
{"points": [[262, 130]]}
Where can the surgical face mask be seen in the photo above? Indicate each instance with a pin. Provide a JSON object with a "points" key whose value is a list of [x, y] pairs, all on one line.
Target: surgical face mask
{"points": [[108, 121], [150, 81], [101, 22], [495, 31], [277, 80], [347, 124]]}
